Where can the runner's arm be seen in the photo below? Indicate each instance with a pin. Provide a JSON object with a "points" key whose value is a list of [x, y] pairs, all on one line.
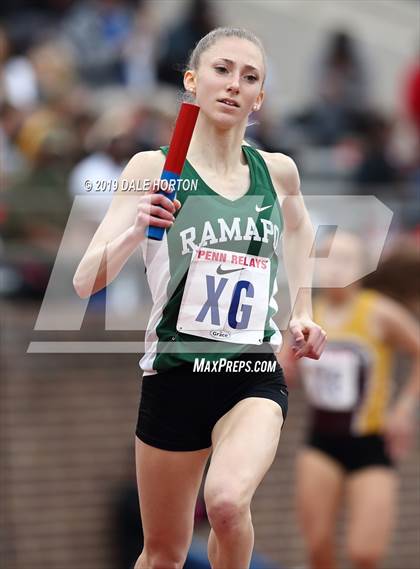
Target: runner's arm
{"points": [[122, 229], [401, 331], [298, 240]]}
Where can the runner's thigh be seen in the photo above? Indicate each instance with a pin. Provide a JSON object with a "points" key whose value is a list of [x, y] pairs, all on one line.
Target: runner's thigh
{"points": [[319, 488], [372, 502], [245, 441], [168, 485]]}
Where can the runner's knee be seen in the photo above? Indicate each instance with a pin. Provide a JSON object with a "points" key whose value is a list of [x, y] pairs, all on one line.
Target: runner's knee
{"points": [[363, 557], [226, 510], [319, 542]]}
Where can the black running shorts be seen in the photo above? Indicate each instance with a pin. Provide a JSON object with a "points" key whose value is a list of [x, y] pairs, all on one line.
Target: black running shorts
{"points": [[179, 408], [352, 452]]}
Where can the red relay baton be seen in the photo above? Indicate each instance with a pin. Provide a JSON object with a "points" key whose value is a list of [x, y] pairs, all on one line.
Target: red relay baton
{"points": [[175, 159]]}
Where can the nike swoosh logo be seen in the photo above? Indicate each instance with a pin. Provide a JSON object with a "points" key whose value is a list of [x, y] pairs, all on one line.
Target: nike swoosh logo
{"points": [[259, 209], [221, 271]]}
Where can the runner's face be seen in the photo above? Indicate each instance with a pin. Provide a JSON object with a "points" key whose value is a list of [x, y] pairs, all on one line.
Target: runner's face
{"points": [[228, 82], [345, 263]]}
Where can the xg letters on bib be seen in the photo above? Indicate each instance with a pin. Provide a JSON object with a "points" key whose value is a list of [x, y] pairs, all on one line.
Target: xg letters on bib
{"points": [[226, 296]]}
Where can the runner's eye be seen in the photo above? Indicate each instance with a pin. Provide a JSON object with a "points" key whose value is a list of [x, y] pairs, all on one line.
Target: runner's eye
{"points": [[251, 78], [221, 69]]}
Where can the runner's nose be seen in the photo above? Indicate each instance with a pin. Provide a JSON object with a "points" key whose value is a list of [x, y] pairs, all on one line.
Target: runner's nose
{"points": [[233, 86]]}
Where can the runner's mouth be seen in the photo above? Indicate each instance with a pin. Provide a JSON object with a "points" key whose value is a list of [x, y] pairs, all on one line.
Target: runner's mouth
{"points": [[228, 102]]}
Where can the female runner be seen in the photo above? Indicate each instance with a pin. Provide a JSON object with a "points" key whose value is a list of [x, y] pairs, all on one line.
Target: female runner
{"points": [[357, 427], [212, 279]]}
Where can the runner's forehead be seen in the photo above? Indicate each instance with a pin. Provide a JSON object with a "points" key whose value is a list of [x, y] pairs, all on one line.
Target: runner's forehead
{"points": [[236, 51]]}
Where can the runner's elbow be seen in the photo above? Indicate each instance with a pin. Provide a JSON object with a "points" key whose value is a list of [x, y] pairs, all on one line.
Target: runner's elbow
{"points": [[80, 287], [86, 285]]}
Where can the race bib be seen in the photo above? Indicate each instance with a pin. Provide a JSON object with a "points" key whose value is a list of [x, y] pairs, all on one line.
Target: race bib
{"points": [[226, 297], [332, 382]]}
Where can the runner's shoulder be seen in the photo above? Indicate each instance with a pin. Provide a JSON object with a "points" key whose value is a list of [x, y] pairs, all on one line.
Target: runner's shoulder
{"points": [[140, 172], [386, 309], [147, 164], [283, 171]]}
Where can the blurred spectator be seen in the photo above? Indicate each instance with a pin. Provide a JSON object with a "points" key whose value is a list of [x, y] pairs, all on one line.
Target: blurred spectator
{"points": [[97, 31], [55, 70], [38, 205], [79, 106], [412, 94], [140, 52], [182, 38], [34, 207], [17, 75], [269, 134], [13, 164], [341, 92], [411, 118], [45, 11], [112, 140], [376, 167], [158, 120]]}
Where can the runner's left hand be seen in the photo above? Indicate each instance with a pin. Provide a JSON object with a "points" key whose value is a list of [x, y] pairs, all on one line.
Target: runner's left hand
{"points": [[308, 338]]}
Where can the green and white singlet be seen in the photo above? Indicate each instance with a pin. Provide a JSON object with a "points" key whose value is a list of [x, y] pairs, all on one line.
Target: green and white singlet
{"points": [[213, 276]]}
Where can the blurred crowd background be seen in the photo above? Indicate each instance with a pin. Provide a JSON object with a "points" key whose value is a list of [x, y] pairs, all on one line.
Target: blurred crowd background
{"points": [[83, 86]]}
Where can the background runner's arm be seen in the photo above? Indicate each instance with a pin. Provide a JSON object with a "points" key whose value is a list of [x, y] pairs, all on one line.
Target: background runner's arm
{"points": [[402, 332]]}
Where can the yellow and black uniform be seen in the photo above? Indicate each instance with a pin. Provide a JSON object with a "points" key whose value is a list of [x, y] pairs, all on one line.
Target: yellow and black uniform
{"points": [[349, 387]]}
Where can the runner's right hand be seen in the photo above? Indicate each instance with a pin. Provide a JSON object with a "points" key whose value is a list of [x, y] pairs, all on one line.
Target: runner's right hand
{"points": [[155, 209]]}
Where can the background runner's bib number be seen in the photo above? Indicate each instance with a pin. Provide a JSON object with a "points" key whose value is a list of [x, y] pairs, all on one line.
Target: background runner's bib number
{"points": [[226, 296], [332, 382]]}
